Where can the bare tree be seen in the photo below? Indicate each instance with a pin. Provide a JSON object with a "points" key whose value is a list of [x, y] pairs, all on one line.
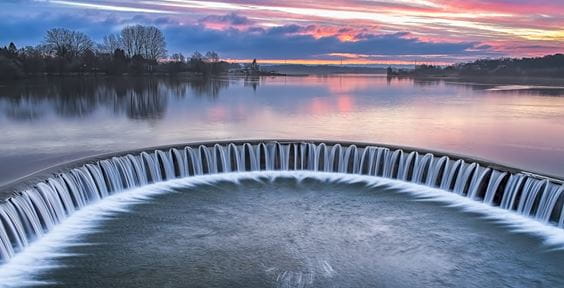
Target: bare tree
{"points": [[111, 43], [131, 40], [178, 57], [212, 57], [146, 41], [126, 40], [196, 56], [155, 45], [67, 43]]}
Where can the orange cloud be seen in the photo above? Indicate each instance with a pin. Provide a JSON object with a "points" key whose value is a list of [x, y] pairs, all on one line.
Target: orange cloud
{"points": [[509, 27]]}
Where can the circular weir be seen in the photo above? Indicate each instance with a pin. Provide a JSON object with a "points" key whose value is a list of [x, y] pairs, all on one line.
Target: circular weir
{"points": [[282, 214]]}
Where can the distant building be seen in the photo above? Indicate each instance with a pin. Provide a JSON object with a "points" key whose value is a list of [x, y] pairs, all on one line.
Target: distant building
{"points": [[252, 69]]}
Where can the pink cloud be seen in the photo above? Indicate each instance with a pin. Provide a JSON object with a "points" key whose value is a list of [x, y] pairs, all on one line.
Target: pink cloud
{"points": [[508, 27]]}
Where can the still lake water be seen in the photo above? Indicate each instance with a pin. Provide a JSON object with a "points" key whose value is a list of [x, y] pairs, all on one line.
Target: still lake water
{"points": [[45, 122]]}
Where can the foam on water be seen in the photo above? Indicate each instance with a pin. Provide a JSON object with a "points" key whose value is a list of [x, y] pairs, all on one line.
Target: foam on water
{"points": [[42, 254]]}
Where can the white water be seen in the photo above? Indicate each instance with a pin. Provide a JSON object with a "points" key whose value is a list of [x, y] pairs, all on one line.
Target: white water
{"points": [[41, 255], [38, 212]]}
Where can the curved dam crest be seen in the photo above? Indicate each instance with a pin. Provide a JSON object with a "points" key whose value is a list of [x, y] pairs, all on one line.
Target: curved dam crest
{"points": [[532, 203]]}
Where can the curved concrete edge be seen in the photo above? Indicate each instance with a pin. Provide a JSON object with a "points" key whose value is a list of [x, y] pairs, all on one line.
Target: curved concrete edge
{"points": [[31, 180]]}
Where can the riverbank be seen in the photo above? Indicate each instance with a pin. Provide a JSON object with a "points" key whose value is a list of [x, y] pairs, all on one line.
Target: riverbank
{"points": [[496, 80]]}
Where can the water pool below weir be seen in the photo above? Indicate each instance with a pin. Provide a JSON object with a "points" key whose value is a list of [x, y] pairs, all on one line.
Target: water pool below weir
{"points": [[301, 230], [41, 219]]}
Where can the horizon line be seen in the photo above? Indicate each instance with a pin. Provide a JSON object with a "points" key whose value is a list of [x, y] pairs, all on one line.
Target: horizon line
{"points": [[350, 62]]}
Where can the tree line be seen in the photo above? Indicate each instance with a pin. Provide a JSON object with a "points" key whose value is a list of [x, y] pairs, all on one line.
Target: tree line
{"points": [[549, 66], [135, 50]]}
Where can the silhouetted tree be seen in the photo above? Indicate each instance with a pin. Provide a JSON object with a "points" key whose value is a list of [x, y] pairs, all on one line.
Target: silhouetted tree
{"points": [[119, 62], [136, 49], [111, 43], [12, 51], [67, 43], [212, 57], [9, 69], [178, 57], [147, 41], [89, 61], [33, 60], [547, 66], [137, 65]]}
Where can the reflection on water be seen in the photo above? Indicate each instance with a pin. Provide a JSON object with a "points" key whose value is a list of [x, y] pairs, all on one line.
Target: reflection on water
{"points": [[45, 121], [136, 98]]}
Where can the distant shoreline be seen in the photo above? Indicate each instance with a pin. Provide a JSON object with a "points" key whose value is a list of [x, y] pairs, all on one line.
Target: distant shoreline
{"points": [[493, 80], [546, 70], [87, 75], [476, 80]]}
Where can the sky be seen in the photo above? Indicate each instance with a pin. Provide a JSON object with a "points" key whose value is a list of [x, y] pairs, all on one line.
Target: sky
{"points": [[311, 32]]}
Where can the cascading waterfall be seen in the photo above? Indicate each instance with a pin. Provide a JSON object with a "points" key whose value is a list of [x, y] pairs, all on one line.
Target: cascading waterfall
{"points": [[29, 214]]}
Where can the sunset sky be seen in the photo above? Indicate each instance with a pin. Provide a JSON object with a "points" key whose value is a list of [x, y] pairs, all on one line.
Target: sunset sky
{"points": [[354, 31]]}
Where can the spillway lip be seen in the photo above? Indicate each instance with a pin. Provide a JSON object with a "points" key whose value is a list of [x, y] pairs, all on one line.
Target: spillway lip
{"points": [[22, 183]]}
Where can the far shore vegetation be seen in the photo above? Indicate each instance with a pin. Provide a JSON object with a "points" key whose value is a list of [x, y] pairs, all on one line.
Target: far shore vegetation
{"points": [[141, 50], [136, 50], [550, 66]]}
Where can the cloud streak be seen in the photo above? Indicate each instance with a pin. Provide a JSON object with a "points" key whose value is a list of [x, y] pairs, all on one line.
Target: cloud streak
{"points": [[439, 30], [110, 7]]}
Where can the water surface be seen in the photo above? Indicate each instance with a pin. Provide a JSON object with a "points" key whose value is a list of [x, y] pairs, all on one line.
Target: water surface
{"points": [[311, 233], [48, 121]]}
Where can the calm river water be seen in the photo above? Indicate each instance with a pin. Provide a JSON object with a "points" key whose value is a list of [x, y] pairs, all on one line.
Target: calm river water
{"points": [[44, 122]]}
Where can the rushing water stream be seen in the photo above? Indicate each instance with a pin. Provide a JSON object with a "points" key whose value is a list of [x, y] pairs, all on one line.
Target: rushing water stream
{"points": [[32, 213]]}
